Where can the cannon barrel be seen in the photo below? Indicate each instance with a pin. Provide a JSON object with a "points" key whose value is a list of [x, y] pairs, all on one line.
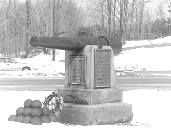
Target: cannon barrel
{"points": [[74, 43]]}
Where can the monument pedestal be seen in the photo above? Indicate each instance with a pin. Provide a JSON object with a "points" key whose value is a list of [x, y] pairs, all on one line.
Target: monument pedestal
{"points": [[90, 96], [98, 106], [107, 113]]}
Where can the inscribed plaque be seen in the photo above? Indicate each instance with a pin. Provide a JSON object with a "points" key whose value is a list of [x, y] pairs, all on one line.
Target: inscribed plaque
{"points": [[102, 68], [77, 70]]}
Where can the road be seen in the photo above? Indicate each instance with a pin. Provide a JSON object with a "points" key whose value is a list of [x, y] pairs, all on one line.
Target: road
{"points": [[31, 83], [128, 83], [53, 83]]}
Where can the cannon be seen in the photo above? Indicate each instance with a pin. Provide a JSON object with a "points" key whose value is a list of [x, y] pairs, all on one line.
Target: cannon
{"points": [[75, 43]]}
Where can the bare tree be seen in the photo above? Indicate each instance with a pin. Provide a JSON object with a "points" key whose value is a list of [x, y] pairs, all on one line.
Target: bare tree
{"points": [[133, 4], [53, 4], [28, 23], [141, 16], [109, 8]]}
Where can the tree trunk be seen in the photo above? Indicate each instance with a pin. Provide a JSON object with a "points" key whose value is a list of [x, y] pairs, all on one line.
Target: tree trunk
{"points": [[109, 6], [125, 18], [114, 16], [121, 21], [131, 21], [6, 38], [102, 17], [15, 30], [137, 27], [53, 26], [141, 18], [28, 22]]}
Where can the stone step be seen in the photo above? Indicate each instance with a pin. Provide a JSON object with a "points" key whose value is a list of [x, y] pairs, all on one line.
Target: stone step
{"points": [[107, 113]]}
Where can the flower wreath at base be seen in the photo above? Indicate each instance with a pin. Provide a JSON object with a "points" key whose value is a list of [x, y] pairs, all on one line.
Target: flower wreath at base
{"points": [[54, 102]]}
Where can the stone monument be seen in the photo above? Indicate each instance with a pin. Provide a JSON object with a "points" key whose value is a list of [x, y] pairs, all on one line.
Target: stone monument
{"points": [[90, 93]]}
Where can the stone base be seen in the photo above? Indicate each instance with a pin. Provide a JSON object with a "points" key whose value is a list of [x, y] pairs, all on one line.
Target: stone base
{"points": [[91, 96], [107, 113]]}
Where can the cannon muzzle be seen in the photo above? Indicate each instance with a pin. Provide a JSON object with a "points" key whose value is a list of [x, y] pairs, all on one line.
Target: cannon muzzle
{"points": [[74, 43]]}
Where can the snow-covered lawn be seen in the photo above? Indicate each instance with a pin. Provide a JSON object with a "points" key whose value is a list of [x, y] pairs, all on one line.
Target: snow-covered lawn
{"points": [[145, 58], [151, 108], [41, 66], [152, 59]]}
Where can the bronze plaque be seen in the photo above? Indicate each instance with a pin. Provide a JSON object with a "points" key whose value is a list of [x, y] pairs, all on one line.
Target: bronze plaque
{"points": [[77, 70], [102, 68]]}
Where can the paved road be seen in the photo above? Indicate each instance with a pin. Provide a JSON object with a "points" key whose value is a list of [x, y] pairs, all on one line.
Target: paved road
{"points": [[31, 83], [53, 83], [144, 80]]}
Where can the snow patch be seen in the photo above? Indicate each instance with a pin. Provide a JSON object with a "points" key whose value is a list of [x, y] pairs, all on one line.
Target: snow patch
{"points": [[150, 59]]}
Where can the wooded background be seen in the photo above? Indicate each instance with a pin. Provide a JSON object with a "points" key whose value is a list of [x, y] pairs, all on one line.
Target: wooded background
{"points": [[125, 19]]}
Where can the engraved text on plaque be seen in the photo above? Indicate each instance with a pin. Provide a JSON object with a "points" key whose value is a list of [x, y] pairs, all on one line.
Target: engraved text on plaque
{"points": [[77, 70], [102, 68]]}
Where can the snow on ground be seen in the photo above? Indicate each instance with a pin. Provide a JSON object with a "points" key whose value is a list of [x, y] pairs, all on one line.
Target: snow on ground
{"points": [[144, 58], [151, 108], [152, 59], [147, 42], [41, 66]]}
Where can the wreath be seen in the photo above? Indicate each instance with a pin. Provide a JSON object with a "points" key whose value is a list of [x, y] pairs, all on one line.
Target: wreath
{"points": [[54, 102]]}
